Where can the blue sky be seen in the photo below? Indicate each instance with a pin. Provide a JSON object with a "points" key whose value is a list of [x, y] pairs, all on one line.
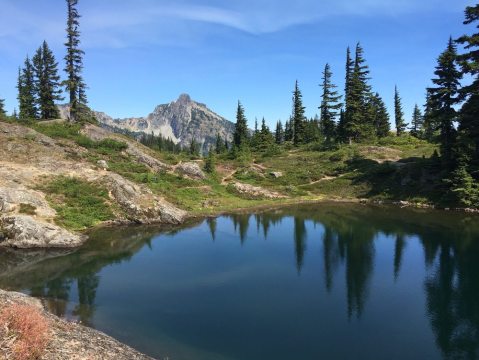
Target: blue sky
{"points": [[140, 53]]}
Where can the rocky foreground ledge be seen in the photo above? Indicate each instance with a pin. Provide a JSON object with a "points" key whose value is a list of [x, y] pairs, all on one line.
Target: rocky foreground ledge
{"points": [[68, 340]]}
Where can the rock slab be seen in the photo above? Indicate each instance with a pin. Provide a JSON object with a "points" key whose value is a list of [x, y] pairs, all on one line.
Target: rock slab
{"points": [[25, 232]]}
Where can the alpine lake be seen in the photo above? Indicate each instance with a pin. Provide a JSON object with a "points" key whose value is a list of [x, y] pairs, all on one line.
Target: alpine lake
{"points": [[323, 281]]}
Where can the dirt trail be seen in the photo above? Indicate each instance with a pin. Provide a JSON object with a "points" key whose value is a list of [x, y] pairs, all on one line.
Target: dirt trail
{"points": [[325, 178]]}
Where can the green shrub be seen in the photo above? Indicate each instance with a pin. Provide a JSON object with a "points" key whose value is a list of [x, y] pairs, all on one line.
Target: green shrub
{"points": [[79, 204]]}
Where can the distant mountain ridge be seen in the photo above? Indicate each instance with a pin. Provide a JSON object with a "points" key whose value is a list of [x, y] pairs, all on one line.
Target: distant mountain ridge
{"points": [[181, 121]]}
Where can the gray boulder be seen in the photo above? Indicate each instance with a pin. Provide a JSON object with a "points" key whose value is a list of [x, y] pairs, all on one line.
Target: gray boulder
{"points": [[25, 232], [102, 164], [191, 169]]}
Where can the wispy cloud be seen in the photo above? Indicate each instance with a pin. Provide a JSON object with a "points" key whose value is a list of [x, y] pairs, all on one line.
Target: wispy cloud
{"points": [[122, 23]]}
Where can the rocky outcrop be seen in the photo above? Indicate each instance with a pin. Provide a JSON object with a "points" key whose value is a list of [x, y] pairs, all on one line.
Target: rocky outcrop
{"points": [[255, 192], [140, 204], [25, 232], [181, 121], [68, 340], [191, 170], [12, 199], [138, 151]]}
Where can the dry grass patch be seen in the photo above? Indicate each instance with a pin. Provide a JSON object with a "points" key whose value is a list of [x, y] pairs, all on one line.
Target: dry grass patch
{"points": [[24, 332]]}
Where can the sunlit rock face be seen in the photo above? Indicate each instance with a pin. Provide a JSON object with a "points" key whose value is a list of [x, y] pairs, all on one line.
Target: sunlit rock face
{"points": [[181, 121]]}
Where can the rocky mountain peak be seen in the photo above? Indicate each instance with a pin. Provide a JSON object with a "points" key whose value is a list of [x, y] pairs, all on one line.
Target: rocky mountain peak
{"points": [[181, 120], [184, 99]]}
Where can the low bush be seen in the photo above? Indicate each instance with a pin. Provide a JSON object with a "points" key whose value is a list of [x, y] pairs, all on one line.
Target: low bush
{"points": [[79, 204], [24, 332]]}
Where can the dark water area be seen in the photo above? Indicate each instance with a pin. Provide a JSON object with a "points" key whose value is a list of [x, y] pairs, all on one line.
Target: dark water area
{"points": [[329, 281]]}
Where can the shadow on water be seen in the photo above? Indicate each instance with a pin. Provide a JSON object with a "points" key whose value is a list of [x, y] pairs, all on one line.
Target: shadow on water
{"points": [[450, 244]]}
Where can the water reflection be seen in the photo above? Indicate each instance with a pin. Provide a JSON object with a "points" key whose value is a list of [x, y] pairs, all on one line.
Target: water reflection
{"points": [[348, 236]]}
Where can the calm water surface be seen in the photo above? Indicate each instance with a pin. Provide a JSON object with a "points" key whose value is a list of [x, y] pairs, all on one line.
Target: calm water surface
{"points": [[308, 282]]}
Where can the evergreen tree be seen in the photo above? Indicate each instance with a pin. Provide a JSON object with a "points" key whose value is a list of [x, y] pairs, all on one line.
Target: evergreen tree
{"points": [[227, 145], [266, 139], [288, 130], [430, 124], [343, 128], [15, 115], [330, 105], [26, 91], [379, 115], [312, 130], [220, 146], [398, 113], [194, 149], [342, 125], [469, 119], [75, 84], [47, 82], [357, 125], [241, 127], [279, 133], [255, 139], [464, 188], [417, 122], [3, 113], [210, 162], [298, 116], [349, 72], [444, 97]]}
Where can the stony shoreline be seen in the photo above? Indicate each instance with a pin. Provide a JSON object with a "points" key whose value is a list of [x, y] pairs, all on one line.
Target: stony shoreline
{"points": [[72, 341]]}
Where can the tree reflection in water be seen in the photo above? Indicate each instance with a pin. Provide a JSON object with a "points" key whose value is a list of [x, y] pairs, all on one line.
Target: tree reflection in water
{"points": [[348, 234]]}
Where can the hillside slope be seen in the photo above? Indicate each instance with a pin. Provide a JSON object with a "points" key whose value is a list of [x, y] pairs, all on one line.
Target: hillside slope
{"points": [[44, 179]]}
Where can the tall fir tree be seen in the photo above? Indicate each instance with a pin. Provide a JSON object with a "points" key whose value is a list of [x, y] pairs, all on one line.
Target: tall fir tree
{"points": [[279, 133], [298, 116], [398, 113], [26, 91], [330, 105], [358, 126], [75, 84], [469, 61], [241, 128], [47, 82], [379, 116], [349, 72], [417, 122], [444, 97], [342, 125]]}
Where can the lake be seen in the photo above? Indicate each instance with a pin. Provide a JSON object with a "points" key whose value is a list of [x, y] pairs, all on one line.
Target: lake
{"points": [[324, 281]]}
